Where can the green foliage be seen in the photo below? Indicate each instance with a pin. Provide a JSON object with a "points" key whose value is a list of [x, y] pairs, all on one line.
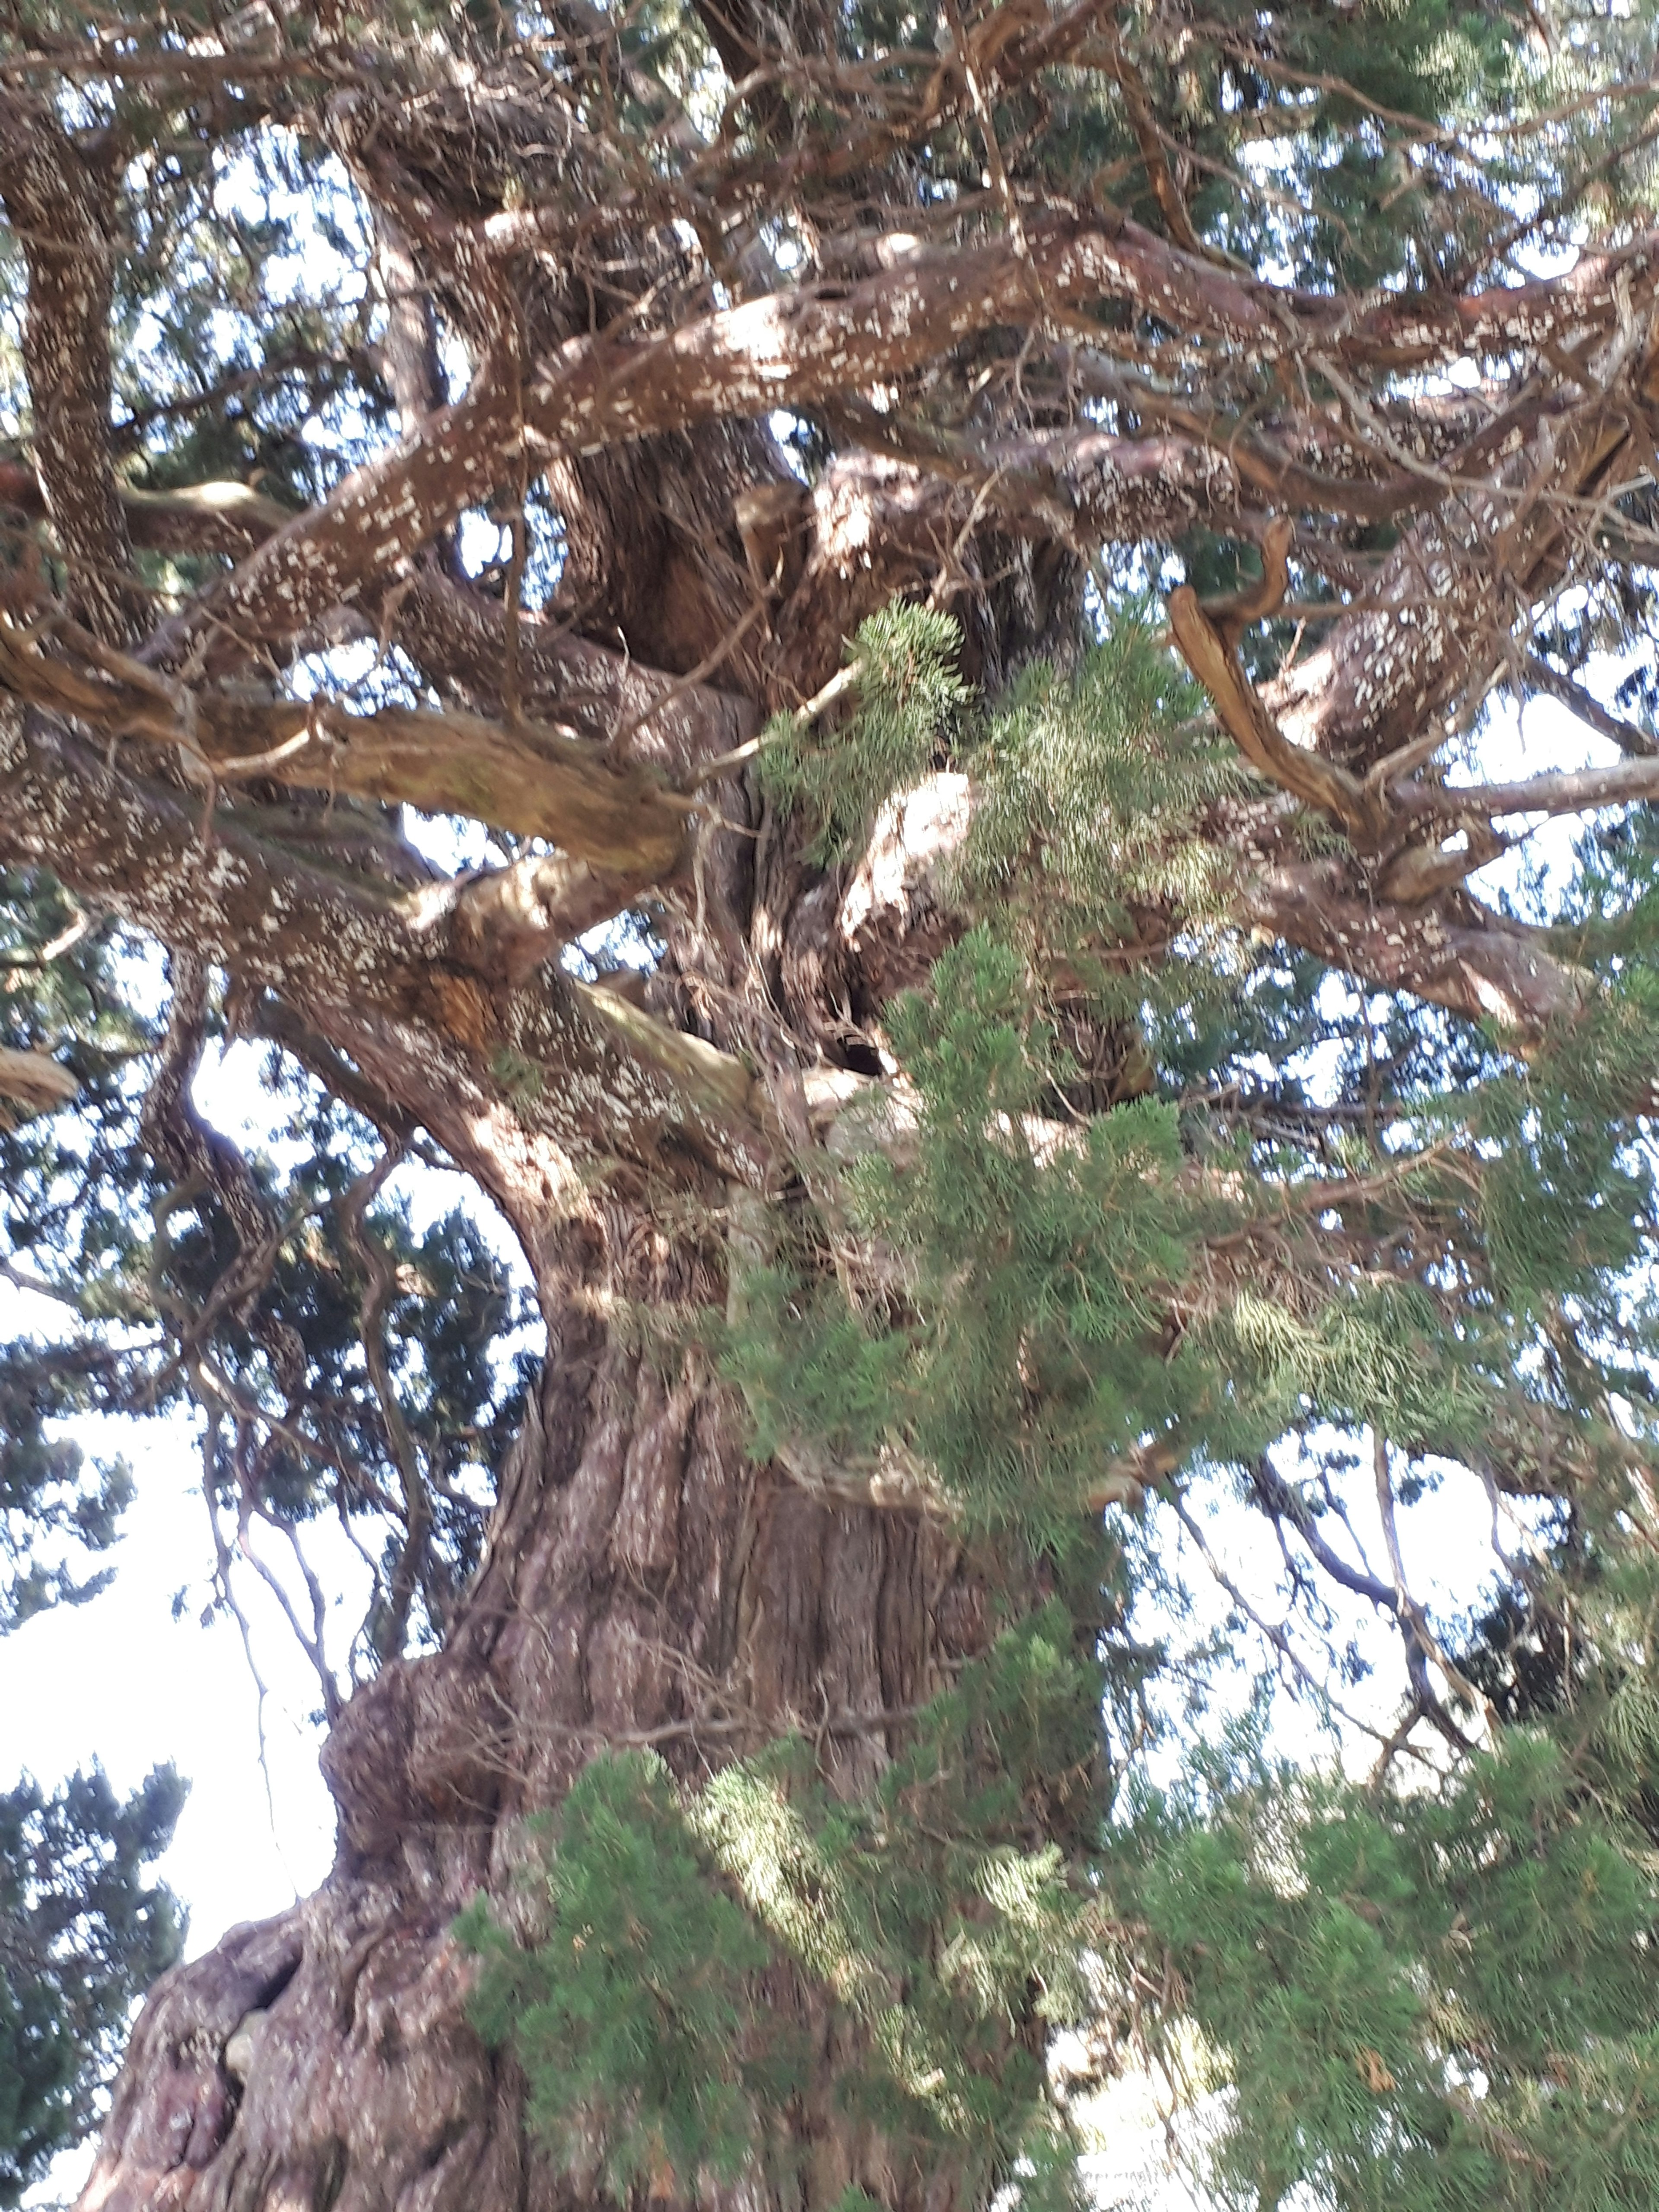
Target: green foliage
{"points": [[1024, 1354], [49, 1496], [55, 1506], [627, 2015], [1306, 138], [1441, 1998], [1436, 1992], [1089, 788], [81, 1937], [696, 1941], [1016, 1340], [909, 698]]}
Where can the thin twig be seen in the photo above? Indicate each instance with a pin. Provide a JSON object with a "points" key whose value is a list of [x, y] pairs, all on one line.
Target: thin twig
{"points": [[706, 667]]}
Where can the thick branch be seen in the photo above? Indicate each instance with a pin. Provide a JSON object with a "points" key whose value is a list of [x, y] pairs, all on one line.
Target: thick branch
{"points": [[534, 780], [386, 979], [1438, 622], [1454, 953], [1573, 792], [1257, 459], [510, 920], [410, 348], [1082, 486], [455, 634], [808, 345], [62, 209], [458, 638]]}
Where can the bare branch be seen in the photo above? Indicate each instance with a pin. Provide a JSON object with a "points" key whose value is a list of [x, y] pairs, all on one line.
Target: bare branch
{"points": [[1573, 792], [1413, 1621], [1629, 739], [1144, 124]]}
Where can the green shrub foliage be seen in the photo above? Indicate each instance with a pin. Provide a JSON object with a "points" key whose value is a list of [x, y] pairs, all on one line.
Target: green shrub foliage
{"points": [[1432, 1987]]}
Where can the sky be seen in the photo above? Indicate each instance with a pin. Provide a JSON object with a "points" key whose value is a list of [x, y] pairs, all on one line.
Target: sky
{"points": [[120, 1682]]}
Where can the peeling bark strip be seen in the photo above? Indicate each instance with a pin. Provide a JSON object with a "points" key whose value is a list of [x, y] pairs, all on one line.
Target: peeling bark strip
{"points": [[205, 518], [1213, 659], [529, 779], [35, 1080]]}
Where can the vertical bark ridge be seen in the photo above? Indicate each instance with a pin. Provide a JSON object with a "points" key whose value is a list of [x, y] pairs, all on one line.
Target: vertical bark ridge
{"points": [[642, 1583]]}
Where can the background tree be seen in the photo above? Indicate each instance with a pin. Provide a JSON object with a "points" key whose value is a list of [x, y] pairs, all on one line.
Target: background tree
{"points": [[847, 654], [81, 1938]]}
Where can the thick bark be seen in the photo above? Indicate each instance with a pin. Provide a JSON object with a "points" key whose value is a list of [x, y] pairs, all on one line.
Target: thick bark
{"points": [[642, 1583], [59, 199]]}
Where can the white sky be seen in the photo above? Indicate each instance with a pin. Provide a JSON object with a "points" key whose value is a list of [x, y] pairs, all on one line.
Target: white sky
{"points": [[120, 1681]]}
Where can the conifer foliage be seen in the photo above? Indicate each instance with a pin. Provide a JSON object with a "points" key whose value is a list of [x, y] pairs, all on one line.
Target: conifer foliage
{"points": [[906, 760], [83, 1935]]}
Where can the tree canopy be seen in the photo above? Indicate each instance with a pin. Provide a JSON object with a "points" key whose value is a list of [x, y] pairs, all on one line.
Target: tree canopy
{"points": [[957, 704]]}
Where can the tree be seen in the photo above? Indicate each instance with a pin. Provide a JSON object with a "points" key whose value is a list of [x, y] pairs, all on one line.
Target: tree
{"points": [[81, 1938], [943, 582]]}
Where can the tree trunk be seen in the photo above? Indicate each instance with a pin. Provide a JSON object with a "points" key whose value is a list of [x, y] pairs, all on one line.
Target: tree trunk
{"points": [[643, 1583]]}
